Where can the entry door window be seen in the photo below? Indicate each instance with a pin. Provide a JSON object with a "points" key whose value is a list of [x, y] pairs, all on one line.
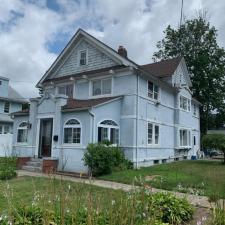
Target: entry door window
{"points": [[46, 137]]}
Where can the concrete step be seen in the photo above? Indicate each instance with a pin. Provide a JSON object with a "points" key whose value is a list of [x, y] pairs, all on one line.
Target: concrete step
{"points": [[32, 168], [34, 163], [36, 160]]}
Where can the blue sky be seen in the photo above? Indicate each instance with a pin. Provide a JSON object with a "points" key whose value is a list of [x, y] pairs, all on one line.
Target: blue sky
{"points": [[33, 32]]}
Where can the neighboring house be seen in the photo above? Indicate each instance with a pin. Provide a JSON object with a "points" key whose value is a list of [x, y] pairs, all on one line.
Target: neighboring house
{"points": [[92, 93], [10, 101]]}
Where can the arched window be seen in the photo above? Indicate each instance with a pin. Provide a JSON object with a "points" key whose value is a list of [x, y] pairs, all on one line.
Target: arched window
{"points": [[108, 130], [72, 132], [22, 132]]}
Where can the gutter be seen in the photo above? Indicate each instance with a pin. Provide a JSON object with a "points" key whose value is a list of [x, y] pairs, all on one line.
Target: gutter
{"points": [[93, 123], [137, 119]]}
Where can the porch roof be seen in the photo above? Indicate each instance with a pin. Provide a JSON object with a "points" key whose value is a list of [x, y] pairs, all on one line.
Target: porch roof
{"points": [[23, 112], [78, 104]]}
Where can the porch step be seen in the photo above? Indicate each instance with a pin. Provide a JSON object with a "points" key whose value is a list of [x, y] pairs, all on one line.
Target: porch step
{"points": [[32, 168], [34, 165]]}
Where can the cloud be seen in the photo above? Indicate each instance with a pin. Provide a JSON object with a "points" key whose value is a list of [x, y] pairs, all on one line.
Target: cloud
{"points": [[33, 32]]}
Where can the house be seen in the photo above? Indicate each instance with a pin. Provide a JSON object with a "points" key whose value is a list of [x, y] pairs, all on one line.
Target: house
{"points": [[10, 101], [92, 93]]}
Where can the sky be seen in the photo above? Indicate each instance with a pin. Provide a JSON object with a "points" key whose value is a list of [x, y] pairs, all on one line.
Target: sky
{"points": [[33, 32]]}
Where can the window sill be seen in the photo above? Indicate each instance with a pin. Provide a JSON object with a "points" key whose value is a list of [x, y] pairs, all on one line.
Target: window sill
{"points": [[21, 143], [187, 111], [101, 96], [153, 145], [183, 147], [157, 102]]}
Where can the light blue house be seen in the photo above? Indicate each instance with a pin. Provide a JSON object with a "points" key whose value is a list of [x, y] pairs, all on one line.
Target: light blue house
{"points": [[10, 101], [92, 93]]}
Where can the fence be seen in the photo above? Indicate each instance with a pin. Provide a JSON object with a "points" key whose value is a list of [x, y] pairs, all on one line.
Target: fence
{"points": [[5, 145]]}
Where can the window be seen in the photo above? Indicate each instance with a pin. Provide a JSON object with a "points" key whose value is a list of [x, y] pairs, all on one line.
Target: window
{"points": [[6, 107], [185, 138], [101, 87], [5, 129], [83, 57], [153, 91], [1, 129], [108, 130], [66, 90], [185, 103], [194, 110], [72, 132], [153, 134], [194, 140], [22, 132], [0, 82]]}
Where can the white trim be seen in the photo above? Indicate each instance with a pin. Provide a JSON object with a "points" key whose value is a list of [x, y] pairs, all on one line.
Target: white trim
{"points": [[72, 126], [79, 56], [153, 144], [189, 141], [159, 92], [22, 128]]}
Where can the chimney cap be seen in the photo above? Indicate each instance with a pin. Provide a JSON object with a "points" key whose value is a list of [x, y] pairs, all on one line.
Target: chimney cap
{"points": [[122, 51]]}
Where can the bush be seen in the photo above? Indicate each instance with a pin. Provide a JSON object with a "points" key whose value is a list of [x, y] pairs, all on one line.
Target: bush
{"points": [[103, 158], [7, 168]]}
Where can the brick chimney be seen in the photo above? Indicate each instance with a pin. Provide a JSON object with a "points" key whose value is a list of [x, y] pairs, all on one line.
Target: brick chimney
{"points": [[122, 51]]}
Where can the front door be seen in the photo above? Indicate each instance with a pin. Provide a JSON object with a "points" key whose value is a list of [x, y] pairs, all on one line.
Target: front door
{"points": [[45, 140]]}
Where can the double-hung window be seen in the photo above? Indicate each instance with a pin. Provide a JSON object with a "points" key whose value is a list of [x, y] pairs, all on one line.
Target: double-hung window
{"points": [[108, 130], [153, 134], [72, 132], [6, 107], [185, 138], [22, 132], [66, 89], [102, 87], [185, 103], [83, 57], [153, 91], [194, 110]]}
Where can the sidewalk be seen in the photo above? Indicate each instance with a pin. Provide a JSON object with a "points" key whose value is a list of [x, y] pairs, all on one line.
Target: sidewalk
{"points": [[200, 201]]}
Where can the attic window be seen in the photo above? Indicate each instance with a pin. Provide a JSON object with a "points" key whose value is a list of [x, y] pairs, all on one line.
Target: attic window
{"points": [[83, 57]]}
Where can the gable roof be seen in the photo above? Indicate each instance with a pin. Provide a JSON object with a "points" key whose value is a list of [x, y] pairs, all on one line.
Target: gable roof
{"points": [[164, 68], [79, 34], [77, 104]]}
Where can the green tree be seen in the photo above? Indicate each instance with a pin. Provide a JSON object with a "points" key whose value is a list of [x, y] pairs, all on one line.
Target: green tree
{"points": [[214, 141], [196, 41]]}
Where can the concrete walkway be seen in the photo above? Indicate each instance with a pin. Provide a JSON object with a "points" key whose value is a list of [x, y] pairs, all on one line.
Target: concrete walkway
{"points": [[200, 201]]}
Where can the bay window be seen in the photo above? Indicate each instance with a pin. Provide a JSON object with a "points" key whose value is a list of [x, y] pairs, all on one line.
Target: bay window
{"points": [[108, 130]]}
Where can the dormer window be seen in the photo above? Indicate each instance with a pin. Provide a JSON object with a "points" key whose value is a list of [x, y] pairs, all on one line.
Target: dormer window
{"points": [[6, 107], [83, 57], [153, 91]]}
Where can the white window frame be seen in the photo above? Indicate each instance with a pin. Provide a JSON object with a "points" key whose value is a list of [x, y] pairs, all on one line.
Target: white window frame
{"points": [[159, 91], [109, 127], [188, 138], [72, 126], [101, 79], [8, 111], [79, 58], [195, 110], [22, 128], [153, 134], [3, 129], [188, 103], [64, 85]]}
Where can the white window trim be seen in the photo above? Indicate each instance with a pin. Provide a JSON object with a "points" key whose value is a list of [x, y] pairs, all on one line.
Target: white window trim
{"points": [[102, 95], [3, 129], [79, 56], [159, 92], [108, 128], [189, 138], [22, 128], [4, 107], [72, 126], [188, 102], [153, 134], [64, 84]]}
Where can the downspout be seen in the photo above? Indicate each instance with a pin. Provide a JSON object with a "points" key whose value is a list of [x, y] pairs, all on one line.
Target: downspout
{"points": [[93, 122], [137, 119]]}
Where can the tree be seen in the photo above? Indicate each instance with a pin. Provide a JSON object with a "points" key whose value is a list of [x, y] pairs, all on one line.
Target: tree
{"points": [[214, 141], [196, 41]]}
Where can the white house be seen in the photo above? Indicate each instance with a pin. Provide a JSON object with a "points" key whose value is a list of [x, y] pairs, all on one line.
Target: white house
{"points": [[92, 93]]}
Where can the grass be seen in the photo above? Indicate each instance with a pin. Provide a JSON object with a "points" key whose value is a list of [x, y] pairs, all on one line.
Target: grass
{"points": [[206, 176], [23, 189]]}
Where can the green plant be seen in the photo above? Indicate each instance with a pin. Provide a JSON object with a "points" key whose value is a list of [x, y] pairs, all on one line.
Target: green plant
{"points": [[103, 158], [7, 168], [219, 214]]}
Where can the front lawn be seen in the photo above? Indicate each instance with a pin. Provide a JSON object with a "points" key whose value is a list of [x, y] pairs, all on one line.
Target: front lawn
{"points": [[199, 177], [39, 201]]}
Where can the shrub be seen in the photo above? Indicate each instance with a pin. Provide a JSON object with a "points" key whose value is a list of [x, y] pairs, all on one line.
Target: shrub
{"points": [[103, 158], [7, 168]]}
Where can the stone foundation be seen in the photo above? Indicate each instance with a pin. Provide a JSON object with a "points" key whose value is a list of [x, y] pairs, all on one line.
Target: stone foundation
{"points": [[21, 161]]}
